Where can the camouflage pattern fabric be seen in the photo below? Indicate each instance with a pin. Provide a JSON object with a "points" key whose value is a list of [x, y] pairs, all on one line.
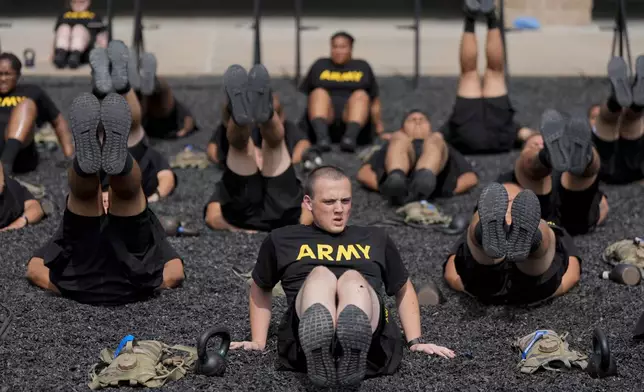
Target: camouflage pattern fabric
{"points": [[278, 291], [146, 363], [368, 152], [190, 158], [423, 213], [46, 138], [545, 349], [37, 190], [625, 252]]}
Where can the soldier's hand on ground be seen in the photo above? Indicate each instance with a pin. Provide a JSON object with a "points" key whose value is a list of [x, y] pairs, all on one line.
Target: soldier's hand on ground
{"points": [[247, 346], [433, 349], [183, 132], [153, 198], [386, 135]]}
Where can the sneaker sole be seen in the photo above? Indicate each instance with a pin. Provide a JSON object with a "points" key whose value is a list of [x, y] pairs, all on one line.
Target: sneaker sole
{"points": [[638, 86], [99, 61], [117, 120], [526, 215], [259, 88], [316, 336], [354, 335], [618, 76], [553, 129], [579, 144], [84, 117], [487, 6], [119, 56], [236, 89], [492, 207], [133, 71], [472, 7], [148, 73]]}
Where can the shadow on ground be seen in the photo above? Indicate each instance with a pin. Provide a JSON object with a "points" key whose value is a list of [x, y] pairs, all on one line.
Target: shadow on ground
{"points": [[52, 342]]}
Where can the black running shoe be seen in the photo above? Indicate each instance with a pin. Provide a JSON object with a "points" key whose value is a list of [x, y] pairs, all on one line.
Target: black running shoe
{"points": [[84, 116], [316, 336], [117, 120], [638, 85], [148, 73], [119, 56], [236, 89], [487, 6], [472, 8], [492, 208], [259, 94], [621, 86], [524, 230], [354, 335], [553, 130], [99, 62], [394, 188], [580, 146]]}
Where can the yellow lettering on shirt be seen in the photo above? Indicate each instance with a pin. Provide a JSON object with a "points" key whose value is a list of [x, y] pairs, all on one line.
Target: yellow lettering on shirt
{"points": [[11, 101], [305, 251], [365, 250], [79, 15], [347, 253], [347, 76], [331, 253]]}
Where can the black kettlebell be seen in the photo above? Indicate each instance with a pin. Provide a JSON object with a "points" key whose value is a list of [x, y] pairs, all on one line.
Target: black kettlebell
{"points": [[30, 57], [458, 225], [601, 363], [212, 363]]}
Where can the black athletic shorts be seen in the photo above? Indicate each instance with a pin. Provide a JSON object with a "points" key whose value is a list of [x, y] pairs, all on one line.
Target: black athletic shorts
{"points": [[622, 161], [12, 201], [27, 159], [166, 127], [575, 211], [384, 357], [504, 283], [107, 260], [446, 180], [259, 203], [481, 125]]}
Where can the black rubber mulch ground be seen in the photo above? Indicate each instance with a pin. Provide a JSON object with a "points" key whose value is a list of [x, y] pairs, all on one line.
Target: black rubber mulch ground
{"points": [[52, 342]]}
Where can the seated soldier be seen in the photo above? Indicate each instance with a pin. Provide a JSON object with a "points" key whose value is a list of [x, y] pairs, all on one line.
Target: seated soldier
{"points": [[619, 134], [561, 167], [164, 116], [23, 108], [335, 277], [295, 139], [158, 179], [254, 194], [78, 30], [343, 99], [105, 259], [18, 207], [508, 255], [482, 120], [417, 164]]}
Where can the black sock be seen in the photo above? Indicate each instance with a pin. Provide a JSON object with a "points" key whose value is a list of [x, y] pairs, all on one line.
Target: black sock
{"points": [[129, 164], [11, 149], [2, 143], [320, 128], [396, 172], [352, 130], [470, 24], [478, 233], [636, 109], [613, 105], [536, 242], [80, 171], [544, 158], [492, 21]]}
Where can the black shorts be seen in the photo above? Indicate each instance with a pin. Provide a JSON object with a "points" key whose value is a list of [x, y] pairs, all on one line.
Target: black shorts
{"points": [[622, 161], [446, 180], [575, 211], [27, 159], [259, 203], [337, 127], [504, 283], [166, 127], [384, 357], [107, 260], [482, 125]]}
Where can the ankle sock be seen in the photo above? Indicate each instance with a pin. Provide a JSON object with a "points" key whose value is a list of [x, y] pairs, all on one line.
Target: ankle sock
{"points": [[80, 171], [320, 128], [544, 158], [492, 21], [470, 24], [352, 130], [613, 105], [129, 164]]}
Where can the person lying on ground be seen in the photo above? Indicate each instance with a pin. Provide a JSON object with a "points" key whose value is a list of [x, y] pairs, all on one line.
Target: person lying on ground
{"points": [[619, 132], [105, 259], [482, 120], [561, 167], [343, 99], [417, 164], [78, 30], [254, 194], [333, 276], [18, 207], [509, 255], [23, 109]]}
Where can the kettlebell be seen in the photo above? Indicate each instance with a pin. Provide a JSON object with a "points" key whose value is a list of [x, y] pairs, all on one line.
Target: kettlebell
{"points": [[30, 57], [212, 363], [601, 363], [170, 225], [458, 225]]}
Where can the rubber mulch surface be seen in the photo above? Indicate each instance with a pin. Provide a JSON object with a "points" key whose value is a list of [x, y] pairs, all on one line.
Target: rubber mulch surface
{"points": [[52, 342]]}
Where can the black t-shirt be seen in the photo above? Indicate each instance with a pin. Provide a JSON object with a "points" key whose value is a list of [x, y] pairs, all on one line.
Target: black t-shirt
{"points": [[290, 253], [47, 110], [89, 19], [12, 201], [341, 80]]}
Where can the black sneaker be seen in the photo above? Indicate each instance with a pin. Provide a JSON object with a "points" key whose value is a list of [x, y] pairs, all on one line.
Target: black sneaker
{"points": [[117, 120], [74, 59], [553, 130], [312, 159], [316, 337], [487, 6], [472, 8], [119, 56], [354, 336], [524, 234], [60, 58], [580, 145], [99, 62], [492, 207], [620, 83], [638, 85], [84, 117], [348, 144], [148, 73], [259, 94], [236, 89]]}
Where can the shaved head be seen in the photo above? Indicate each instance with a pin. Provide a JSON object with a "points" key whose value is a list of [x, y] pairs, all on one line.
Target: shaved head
{"points": [[323, 172]]}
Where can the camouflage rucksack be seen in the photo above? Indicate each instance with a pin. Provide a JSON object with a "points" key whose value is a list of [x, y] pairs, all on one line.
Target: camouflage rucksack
{"points": [[146, 363], [625, 252], [278, 291], [423, 213], [190, 158], [546, 349], [366, 154], [47, 139]]}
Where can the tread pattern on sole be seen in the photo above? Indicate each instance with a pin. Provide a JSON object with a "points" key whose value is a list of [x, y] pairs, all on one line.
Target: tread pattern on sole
{"points": [[259, 87], [579, 142], [119, 56], [99, 62], [117, 120], [638, 86], [618, 76], [133, 71], [84, 117], [526, 215], [148, 73], [236, 89], [492, 208], [354, 335], [316, 336], [553, 129]]}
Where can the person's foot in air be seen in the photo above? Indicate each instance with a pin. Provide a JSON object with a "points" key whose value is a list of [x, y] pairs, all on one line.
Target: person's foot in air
{"points": [[567, 143], [621, 87], [117, 120], [316, 334], [110, 69], [638, 84], [84, 117], [260, 97], [236, 90]]}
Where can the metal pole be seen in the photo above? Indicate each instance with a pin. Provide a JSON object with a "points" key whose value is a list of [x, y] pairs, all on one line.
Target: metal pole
{"points": [[298, 40], [417, 14], [110, 17], [257, 57], [503, 38], [137, 43]]}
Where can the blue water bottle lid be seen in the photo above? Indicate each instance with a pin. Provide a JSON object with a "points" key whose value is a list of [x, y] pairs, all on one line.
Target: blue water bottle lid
{"points": [[128, 338]]}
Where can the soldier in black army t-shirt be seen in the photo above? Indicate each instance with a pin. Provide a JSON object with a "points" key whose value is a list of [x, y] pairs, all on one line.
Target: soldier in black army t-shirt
{"points": [[333, 276], [23, 107], [343, 103], [18, 207]]}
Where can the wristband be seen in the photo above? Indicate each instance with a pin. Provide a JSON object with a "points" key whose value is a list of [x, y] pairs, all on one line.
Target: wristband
{"points": [[414, 342], [26, 220]]}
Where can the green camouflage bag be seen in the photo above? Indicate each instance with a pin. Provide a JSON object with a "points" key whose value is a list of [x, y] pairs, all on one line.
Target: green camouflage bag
{"points": [[368, 152], [423, 213], [190, 158], [37, 190], [546, 349], [625, 252], [146, 363], [278, 291], [47, 139]]}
